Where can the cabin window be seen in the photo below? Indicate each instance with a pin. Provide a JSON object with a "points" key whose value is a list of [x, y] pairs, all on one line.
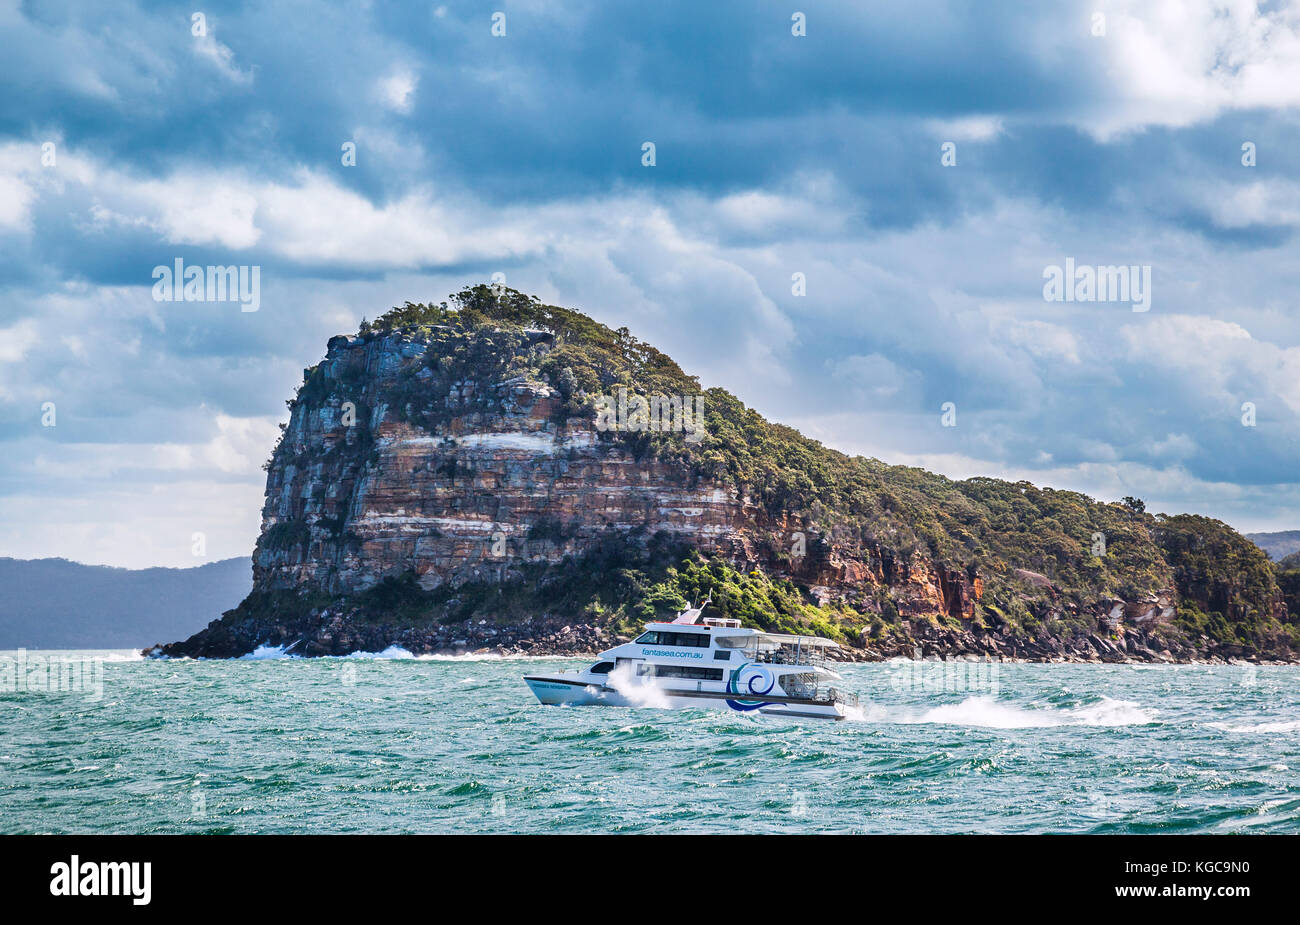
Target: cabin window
{"points": [[688, 671], [602, 668], [665, 638], [721, 656]]}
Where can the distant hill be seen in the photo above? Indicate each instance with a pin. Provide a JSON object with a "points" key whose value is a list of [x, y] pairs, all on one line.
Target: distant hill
{"points": [[1278, 545], [58, 604]]}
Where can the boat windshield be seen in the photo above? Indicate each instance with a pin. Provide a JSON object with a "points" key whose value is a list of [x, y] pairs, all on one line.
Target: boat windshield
{"points": [[779, 650]]}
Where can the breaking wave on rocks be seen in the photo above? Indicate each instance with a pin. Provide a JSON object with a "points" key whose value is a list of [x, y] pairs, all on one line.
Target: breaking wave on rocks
{"points": [[264, 652], [392, 653], [268, 652]]}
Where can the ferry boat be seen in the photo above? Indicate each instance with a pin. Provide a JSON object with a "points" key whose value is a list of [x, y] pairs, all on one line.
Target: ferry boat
{"points": [[698, 662]]}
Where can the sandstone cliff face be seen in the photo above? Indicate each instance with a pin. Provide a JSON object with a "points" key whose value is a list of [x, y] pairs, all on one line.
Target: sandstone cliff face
{"points": [[457, 452], [499, 484], [357, 491]]}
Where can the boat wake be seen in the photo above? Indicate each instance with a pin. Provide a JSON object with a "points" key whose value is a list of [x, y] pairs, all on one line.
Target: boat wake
{"points": [[987, 712]]}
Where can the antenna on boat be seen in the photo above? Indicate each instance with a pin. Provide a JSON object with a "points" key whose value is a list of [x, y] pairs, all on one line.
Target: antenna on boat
{"points": [[691, 614]]}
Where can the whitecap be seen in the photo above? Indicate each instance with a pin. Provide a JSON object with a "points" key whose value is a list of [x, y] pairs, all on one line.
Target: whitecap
{"points": [[985, 711], [1287, 726], [1109, 712], [492, 657], [268, 652], [988, 712], [392, 652]]}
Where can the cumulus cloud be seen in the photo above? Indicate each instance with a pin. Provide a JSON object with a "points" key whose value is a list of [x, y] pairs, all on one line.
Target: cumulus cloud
{"points": [[816, 157], [1218, 361], [967, 128], [1178, 63], [1266, 202], [871, 377], [222, 58], [396, 91], [15, 201], [16, 340], [1046, 341]]}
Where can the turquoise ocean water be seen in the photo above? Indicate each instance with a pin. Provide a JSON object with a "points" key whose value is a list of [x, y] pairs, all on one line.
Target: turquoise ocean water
{"points": [[398, 744]]}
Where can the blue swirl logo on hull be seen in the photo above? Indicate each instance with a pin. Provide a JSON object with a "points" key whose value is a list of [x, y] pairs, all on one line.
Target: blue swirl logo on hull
{"points": [[749, 679]]}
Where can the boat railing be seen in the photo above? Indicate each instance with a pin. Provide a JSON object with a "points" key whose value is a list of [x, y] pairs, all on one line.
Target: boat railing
{"points": [[835, 695], [797, 688], [816, 690], [786, 654]]}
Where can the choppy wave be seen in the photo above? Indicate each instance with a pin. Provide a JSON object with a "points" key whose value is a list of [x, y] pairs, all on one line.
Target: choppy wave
{"points": [[268, 652], [1108, 712], [341, 750], [995, 714], [390, 654], [490, 657], [393, 653], [1284, 726]]}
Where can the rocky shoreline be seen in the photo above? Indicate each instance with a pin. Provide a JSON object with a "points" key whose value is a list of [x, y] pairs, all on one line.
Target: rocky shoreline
{"points": [[335, 634], [445, 484]]}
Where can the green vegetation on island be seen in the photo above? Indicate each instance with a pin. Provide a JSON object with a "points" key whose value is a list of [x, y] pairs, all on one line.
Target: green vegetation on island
{"points": [[1049, 562]]}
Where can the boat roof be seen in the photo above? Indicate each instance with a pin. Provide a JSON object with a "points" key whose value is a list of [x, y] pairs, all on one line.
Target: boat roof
{"points": [[775, 638]]}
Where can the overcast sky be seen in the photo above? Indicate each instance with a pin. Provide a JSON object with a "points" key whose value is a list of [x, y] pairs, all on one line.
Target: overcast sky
{"points": [[775, 154]]}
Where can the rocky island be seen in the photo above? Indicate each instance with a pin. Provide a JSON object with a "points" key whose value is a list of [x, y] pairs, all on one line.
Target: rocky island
{"points": [[499, 474]]}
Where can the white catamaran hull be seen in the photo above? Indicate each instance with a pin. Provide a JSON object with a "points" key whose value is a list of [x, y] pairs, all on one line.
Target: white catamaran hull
{"points": [[708, 663], [557, 690]]}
